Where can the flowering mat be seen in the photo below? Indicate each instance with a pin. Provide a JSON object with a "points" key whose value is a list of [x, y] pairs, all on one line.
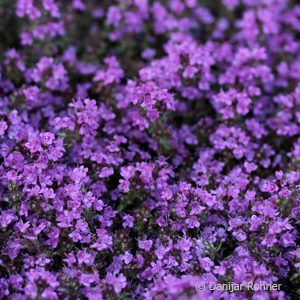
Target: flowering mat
{"points": [[149, 149]]}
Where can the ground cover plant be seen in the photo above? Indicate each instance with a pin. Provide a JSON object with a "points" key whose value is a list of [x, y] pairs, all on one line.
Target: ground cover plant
{"points": [[149, 149]]}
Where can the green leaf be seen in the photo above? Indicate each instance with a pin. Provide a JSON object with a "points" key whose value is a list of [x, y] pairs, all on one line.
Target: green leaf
{"points": [[61, 134], [164, 142]]}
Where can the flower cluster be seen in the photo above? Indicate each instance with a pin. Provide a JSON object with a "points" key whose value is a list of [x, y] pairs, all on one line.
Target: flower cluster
{"points": [[147, 146]]}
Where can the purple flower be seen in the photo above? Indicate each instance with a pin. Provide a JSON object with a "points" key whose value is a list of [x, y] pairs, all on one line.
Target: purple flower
{"points": [[143, 142], [106, 172], [104, 240], [113, 16], [128, 221], [269, 240], [145, 245], [118, 282], [240, 235], [206, 263]]}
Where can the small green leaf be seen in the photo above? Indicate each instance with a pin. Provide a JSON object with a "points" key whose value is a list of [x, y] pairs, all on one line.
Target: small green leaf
{"points": [[62, 134], [164, 142], [294, 276]]}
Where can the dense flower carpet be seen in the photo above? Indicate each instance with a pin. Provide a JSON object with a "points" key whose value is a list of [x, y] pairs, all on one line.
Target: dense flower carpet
{"points": [[149, 149]]}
